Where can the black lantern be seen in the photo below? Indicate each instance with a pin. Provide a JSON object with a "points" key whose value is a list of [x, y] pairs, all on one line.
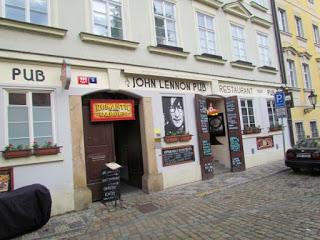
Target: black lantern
{"points": [[313, 99]]}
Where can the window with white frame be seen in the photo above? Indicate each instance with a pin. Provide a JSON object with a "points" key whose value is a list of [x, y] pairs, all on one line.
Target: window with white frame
{"points": [[264, 52], [238, 42], [292, 74], [314, 129], [300, 131], [273, 118], [165, 22], [33, 11], [316, 34], [247, 113], [107, 18], [299, 26], [206, 27], [306, 76], [29, 118], [283, 22]]}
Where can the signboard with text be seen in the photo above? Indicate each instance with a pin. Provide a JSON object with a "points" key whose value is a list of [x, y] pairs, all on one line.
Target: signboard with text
{"points": [[103, 110]]}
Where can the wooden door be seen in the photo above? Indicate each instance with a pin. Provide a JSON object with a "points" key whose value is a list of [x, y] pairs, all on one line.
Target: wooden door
{"points": [[234, 134], [99, 150], [205, 152]]}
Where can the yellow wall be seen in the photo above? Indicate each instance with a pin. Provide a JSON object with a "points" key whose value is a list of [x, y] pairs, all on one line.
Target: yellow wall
{"points": [[310, 14]]}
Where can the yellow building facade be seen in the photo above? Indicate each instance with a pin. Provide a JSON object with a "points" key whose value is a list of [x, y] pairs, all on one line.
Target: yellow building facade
{"points": [[299, 24]]}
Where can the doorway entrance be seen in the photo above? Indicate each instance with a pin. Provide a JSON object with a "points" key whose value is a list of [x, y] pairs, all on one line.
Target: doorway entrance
{"points": [[219, 134], [112, 141]]}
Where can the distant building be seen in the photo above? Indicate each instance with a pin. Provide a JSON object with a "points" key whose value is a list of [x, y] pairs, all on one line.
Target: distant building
{"points": [[299, 23]]}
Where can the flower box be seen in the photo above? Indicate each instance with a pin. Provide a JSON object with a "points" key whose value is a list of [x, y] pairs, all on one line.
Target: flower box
{"points": [[171, 139], [185, 138], [46, 151], [16, 153], [251, 130], [275, 128]]}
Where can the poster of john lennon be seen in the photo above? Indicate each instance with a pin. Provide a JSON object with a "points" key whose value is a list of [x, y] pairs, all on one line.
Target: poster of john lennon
{"points": [[174, 117]]}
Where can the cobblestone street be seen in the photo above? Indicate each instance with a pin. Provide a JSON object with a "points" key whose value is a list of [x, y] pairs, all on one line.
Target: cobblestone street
{"points": [[266, 202]]}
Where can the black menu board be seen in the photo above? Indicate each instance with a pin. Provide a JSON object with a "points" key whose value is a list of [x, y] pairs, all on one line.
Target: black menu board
{"points": [[232, 118], [177, 155], [203, 116], [208, 167], [206, 148], [110, 185]]}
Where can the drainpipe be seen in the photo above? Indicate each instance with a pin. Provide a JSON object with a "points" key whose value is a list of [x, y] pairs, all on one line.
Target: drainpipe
{"points": [[281, 64]]}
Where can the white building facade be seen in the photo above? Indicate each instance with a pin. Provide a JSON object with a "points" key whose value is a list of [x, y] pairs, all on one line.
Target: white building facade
{"points": [[169, 60]]}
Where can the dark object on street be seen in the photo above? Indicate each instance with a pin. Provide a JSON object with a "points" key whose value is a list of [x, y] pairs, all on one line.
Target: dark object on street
{"points": [[305, 154], [24, 210]]}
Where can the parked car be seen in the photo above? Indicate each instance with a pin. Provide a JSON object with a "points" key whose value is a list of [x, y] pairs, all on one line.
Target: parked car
{"points": [[305, 154]]}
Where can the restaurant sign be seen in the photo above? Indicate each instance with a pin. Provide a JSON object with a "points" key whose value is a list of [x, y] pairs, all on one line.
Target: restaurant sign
{"points": [[103, 110]]}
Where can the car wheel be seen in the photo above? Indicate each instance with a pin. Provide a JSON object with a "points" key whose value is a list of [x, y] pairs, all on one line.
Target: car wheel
{"points": [[295, 169]]}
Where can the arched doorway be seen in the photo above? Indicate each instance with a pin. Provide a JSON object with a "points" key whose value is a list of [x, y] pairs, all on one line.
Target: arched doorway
{"points": [[112, 141]]}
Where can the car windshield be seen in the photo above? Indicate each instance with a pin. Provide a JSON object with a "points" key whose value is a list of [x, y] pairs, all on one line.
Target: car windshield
{"points": [[309, 143]]}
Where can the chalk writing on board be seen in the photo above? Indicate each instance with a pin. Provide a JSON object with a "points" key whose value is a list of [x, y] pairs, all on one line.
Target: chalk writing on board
{"points": [[177, 155], [206, 148], [236, 162], [232, 118], [234, 144], [208, 167], [203, 116], [110, 185]]}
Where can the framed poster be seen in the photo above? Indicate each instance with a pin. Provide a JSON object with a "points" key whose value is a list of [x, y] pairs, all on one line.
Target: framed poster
{"points": [[216, 125], [173, 112], [6, 179], [265, 142]]}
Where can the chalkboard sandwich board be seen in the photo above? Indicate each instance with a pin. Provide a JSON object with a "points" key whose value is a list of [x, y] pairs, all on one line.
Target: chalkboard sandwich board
{"points": [[177, 155], [111, 182]]}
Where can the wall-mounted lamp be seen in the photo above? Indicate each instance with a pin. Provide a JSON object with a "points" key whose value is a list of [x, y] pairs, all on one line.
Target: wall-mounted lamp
{"points": [[313, 101]]}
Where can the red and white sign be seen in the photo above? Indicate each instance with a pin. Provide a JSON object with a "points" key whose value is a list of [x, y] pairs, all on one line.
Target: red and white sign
{"points": [[83, 80]]}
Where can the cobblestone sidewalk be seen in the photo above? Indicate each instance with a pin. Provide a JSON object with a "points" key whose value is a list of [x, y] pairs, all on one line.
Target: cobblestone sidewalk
{"points": [[141, 211]]}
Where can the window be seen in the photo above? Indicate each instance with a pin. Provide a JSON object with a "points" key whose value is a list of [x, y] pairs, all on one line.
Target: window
{"points": [[165, 22], [33, 11], [306, 76], [264, 53], [261, 2], [299, 27], [283, 23], [292, 73], [29, 118], [314, 129], [247, 113], [316, 34], [238, 42], [206, 26], [300, 131], [273, 119], [107, 18]]}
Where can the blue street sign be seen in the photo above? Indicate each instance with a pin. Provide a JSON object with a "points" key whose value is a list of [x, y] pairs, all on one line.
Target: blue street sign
{"points": [[280, 100]]}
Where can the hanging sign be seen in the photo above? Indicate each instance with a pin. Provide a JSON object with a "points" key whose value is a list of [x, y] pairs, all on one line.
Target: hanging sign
{"points": [[65, 76], [103, 110]]}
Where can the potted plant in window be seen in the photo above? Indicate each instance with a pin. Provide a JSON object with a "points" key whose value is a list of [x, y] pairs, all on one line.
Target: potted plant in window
{"points": [[46, 149], [11, 151], [171, 138], [251, 129], [275, 127], [184, 136]]}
